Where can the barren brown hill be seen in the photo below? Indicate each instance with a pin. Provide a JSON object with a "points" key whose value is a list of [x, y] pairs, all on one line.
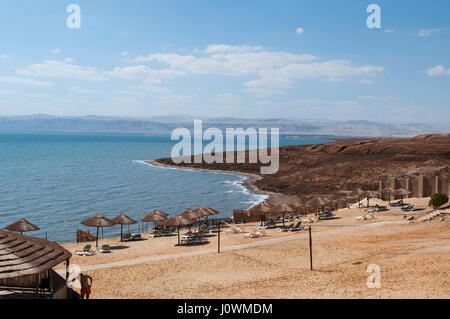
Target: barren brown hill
{"points": [[344, 165]]}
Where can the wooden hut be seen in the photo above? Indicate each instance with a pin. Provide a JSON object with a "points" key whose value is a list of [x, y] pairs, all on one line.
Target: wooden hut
{"points": [[26, 267]]}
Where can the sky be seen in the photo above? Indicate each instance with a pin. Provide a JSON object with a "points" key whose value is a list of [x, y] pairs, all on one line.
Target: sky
{"points": [[207, 58]]}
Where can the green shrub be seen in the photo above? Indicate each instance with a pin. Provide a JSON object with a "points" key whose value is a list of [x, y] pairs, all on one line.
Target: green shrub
{"points": [[438, 200]]}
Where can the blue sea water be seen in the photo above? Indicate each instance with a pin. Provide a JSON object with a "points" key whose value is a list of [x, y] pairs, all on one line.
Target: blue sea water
{"points": [[56, 181]]}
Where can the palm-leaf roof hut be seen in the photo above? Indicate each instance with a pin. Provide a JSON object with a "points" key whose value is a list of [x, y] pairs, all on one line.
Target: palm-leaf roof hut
{"points": [[26, 261]]}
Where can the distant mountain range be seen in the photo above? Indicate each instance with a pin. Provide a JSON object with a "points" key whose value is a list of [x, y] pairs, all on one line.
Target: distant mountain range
{"points": [[164, 125]]}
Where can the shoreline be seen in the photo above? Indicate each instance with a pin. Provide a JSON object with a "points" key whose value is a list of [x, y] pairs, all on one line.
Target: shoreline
{"points": [[248, 183]]}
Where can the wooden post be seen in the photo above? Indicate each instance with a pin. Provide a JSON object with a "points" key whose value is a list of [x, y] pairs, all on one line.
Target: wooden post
{"points": [[218, 238], [178, 235], [310, 250], [67, 269], [96, 239], [37, 286]]}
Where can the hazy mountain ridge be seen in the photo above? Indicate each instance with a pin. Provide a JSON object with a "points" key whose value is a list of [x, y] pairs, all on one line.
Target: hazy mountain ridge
{"points": [[164, 125]]}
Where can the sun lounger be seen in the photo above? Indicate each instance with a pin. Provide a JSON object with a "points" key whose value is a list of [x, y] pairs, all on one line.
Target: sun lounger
{"points": [[409, 208], [136, 237], [268, 225], [398, 204], [127, 237], [296, 228], [161, 233], [286, 228], [105, 249], [86, 251], [194, 241]]}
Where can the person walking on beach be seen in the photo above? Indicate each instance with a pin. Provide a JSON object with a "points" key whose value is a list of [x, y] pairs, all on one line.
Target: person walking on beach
{"points": [[86, 284]]}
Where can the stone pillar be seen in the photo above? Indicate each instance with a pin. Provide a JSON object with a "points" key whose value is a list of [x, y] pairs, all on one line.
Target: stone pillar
{"points": [[380, 189], [448, 188], [420, 186], [436, 185], [393, 186], [407, 186]]}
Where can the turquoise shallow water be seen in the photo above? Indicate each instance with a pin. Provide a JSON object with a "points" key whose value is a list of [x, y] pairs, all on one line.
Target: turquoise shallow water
{"points": [[56, 181]]}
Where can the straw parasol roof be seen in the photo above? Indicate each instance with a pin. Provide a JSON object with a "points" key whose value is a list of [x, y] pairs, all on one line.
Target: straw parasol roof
{"points": [[123, 219], [206, 211], [372, 194], [98, 221], [298, 203], [24, 255], [388, 190], [211, 211], [402, 192], [189, 213], [317, 201], [178, 220], [22, 225], [283, 208], [155, 216], [161, 213], [262, 207]]}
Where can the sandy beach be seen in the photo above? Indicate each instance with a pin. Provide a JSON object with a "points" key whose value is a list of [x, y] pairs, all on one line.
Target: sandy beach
{"points": [[412, 257]]}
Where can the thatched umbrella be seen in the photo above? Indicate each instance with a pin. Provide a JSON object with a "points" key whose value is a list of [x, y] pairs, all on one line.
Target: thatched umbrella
{"points": [[22, 225], [178, 220], [211, 211], [317, 202], [263, 207], [359, 193], [402, 192], [283, 209], [123, 219], [390, 191], [371, 194], [155, 216], [98, 221], [206, 212], [191, 214]]}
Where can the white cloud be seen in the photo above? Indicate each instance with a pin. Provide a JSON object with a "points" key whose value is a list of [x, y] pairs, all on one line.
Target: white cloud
{"points": [[9, 92], [223, 48], [68, 60], [299, 30], [275, 70], [229, 63], [143, 72], [258, 91], [438, 70], [151, 88], [3, 57], [58, 69], [79, 90], [124, 53], [427, 32], [365, 81], [334, 70], [389, 30], [24, 81], [56, 51]]}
